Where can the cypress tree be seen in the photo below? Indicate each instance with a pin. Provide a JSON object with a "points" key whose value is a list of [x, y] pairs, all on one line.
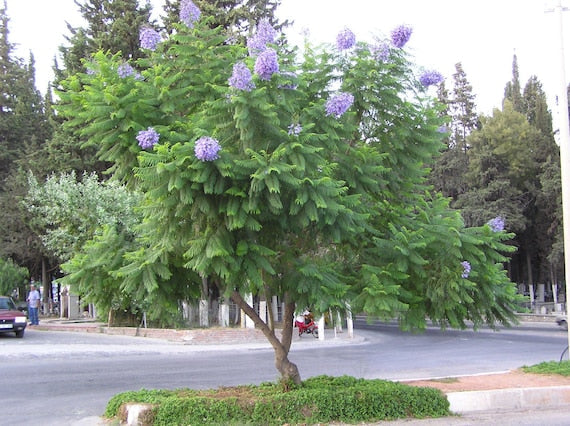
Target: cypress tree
{"points": [[513, 88], [24, 129]]}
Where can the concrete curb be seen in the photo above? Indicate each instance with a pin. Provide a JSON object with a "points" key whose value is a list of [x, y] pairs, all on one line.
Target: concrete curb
{"points": [[509, 399]]}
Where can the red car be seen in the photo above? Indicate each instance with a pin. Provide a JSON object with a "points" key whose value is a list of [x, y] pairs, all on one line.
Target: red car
{"points": [[11, 319]]}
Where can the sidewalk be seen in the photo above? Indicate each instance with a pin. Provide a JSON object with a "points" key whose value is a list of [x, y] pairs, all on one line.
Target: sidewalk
{"points": [[206, 337], [464, 402]]}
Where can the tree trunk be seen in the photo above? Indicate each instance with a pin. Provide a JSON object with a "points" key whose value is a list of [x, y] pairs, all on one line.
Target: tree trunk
{"points": [[287, 369]]}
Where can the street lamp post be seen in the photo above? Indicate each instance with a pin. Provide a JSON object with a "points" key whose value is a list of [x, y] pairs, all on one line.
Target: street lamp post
{"points": [[564, 129]]}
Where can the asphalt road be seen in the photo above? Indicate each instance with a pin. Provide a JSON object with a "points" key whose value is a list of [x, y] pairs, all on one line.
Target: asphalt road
{"points": [[59, 378]]}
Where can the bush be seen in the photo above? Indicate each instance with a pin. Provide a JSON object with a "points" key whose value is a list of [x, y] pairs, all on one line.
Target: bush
{"points": [[318, 400]]}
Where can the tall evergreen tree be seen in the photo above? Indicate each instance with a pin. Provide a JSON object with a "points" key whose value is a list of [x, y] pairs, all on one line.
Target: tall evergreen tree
{"points": [[448, 174], [462, 109], [24, 129], [111, 25], [546, 218], [513, 88], [237, 17]]}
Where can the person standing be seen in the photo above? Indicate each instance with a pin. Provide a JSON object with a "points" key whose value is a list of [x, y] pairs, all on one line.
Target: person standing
{"points": [[33, 305]]}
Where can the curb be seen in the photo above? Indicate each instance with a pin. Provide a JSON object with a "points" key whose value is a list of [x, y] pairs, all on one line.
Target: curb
{"points": [[509, 399]]}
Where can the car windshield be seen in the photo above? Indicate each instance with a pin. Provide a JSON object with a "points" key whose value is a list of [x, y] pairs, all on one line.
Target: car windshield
{"points": [[7, 304]]}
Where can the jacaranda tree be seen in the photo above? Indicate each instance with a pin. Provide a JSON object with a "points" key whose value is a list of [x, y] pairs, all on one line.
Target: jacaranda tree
{"points": [[288, 174]]}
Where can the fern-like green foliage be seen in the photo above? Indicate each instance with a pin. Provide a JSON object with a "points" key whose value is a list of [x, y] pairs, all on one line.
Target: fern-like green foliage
{"points": [[335, 212]]}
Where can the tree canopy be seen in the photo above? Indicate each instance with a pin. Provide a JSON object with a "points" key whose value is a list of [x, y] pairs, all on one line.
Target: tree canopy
{"points": [[296, 174]]}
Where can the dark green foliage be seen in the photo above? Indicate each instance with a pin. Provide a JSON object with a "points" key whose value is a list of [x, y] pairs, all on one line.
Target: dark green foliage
{"points": [[112, 26], [449, 171], [24, 129], [12, 276], [320, 399], [237, 18], [513, 89]]}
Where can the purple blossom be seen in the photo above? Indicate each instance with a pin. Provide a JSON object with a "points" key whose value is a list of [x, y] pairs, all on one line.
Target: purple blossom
{"points": [[338, 104], [207, 148], [497, 224], [442, 129], [265, 31], [148, 138], [345, 39], [430, 77], [124, 70], [466, 269], [381, 51], [401, 35], [266, 64], [264, 34], [149, 38], [241, 77], [294, 129], [255, 46], [189, 13]]}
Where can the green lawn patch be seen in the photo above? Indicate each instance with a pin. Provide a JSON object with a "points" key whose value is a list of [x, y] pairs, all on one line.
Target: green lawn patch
{"points": [[551, 367]]}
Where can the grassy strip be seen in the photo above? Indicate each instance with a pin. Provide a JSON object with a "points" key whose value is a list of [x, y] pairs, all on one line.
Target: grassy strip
{"points": [[318, 400], [551, 367]]}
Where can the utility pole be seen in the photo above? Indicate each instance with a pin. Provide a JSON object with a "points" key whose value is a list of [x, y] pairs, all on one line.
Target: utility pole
{"points": [[564, 129]]}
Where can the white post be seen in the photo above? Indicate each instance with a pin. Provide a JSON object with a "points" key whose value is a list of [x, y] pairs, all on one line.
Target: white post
{"points": [[321, 325], [349, 323], [564, 131]]}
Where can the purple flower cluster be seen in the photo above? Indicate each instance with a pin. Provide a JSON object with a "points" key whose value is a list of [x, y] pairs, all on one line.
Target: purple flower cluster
{"points": [[497, 224], [124, 70], [207, 148], [401, 35], [189, 13], [266, 64], [430, 77], [466, 269], [241, 77], [149, 38], [345, 39], [148, 138], [381, 51], [294, 129], [339, 104], [265, 34]]}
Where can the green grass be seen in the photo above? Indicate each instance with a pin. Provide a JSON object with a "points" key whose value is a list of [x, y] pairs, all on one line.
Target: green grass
{"points": [[321, 399], [551, 367]]}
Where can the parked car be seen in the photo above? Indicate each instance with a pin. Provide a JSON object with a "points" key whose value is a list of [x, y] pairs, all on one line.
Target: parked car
{"points": [[562, 321], [11, 319]]}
